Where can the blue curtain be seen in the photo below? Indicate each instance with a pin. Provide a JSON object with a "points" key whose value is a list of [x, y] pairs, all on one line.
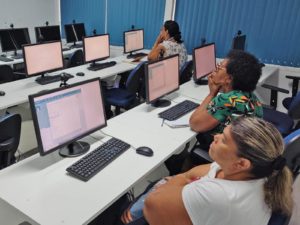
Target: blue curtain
{"points": [[146, 14], [271, 26], [89, 12]]}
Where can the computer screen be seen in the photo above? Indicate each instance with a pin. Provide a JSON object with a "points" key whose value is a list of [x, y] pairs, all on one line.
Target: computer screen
{"points": [[42, 58], [74, 32], [96, 47], [47, 33], [13, 39], [238, 42], [204, 59], [63, 115], [133, 40], [162, 78]]}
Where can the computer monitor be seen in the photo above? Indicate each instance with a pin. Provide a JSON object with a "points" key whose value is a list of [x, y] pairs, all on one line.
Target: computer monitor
{"points": [[204, 60], [74, 32], [96, 48], [42, 58], [13, 39], [64, 115], [162, 78], [238, 42], [133, 41], [47, 33]]}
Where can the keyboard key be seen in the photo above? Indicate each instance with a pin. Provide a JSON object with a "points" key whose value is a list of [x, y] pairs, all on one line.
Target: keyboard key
{"points": [[178, 110], [88, 166]]}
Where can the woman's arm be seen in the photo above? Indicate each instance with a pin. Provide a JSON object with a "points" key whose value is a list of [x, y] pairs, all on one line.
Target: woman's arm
{"points": [[201, 120], [157, 48], [164, 206]]}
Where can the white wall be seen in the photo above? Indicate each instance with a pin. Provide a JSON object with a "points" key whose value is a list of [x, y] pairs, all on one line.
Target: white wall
{"points": [[28, 13]]}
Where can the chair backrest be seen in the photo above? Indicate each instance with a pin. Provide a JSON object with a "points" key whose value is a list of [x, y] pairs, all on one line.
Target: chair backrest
{"points": [[133, 80], [6, 74], [76, 59], [186, 72], [294, 109], [10, 130], [292, 151]]}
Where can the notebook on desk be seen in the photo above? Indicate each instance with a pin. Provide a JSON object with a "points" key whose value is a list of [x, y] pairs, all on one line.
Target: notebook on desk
{"points": [[181, 122]]}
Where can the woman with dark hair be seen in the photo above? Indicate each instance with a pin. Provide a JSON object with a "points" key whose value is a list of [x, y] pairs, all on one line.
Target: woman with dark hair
{"points": [[169, 43], [247, 182], [231, 95]]}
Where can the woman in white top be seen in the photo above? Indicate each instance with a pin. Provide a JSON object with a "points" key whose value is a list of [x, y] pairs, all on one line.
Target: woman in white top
{"points": [[169, 43], [247, 181]]}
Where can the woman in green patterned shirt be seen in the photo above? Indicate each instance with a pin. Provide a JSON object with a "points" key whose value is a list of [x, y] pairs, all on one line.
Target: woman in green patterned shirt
{"points": [[231, 95]]}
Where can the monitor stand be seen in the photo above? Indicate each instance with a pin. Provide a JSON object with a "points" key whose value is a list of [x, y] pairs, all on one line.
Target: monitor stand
{"points": [[76, 45], [74, 149], [160, 103], [202, 81], [136, 55], [16, 55]]}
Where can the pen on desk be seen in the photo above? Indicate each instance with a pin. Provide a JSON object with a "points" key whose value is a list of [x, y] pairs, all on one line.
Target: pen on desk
{"points": [[162, 122]]}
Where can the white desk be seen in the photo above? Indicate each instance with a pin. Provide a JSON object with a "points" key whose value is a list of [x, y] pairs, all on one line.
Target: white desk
{"points": [[21, 60], [17, 91], [45, 194]]}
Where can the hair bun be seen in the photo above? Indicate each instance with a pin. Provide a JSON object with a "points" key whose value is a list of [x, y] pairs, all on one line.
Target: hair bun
{"points": [[279, 163]]}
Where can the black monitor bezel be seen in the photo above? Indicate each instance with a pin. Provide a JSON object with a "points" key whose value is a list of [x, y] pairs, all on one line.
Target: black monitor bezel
{"points": [[74, 24], [35, 119], [147, 78], [18, 48], [98, 59], [45, 71], [194, 61], [46, 27], [125, 52]]}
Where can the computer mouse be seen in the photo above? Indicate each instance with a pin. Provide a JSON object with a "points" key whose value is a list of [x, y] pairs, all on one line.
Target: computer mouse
{"points": [[143, 150], [80, 74], [2, 93]]}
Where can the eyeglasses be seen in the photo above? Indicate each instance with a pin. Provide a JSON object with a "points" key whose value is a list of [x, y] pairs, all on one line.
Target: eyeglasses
{"points": [[220, 67]]}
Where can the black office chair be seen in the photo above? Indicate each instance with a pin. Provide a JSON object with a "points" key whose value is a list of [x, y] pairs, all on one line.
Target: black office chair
{"points": [[239, 41], [186, 72], [295, 84], [76, 59], [125, 97], [7, 74], [10, 131], [284, 122]]}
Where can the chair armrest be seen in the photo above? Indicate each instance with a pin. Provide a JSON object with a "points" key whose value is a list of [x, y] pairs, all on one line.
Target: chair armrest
{"points": [[294, 85], [268, 106], [202, 154], [7, 144], [292, 77], [274, 92], [271, 87]]}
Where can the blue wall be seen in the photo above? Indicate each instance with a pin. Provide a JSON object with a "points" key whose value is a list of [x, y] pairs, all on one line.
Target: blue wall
{"points": [[271, 26], [147, 14], [89, 12]]}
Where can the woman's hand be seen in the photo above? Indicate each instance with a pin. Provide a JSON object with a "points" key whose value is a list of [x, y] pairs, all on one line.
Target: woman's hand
{"points": [[214, 88], [159, 39]]}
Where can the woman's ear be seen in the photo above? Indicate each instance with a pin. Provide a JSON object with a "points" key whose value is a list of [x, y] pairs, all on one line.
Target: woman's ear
{"points": [[243, 164]]}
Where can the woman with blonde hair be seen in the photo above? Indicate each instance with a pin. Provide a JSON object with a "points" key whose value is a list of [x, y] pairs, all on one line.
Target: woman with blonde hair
{"points": [[247, 182]]}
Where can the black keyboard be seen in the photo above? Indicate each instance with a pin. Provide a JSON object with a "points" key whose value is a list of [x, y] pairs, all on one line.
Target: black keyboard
{"points": [[178, 110], [5, 59], [100, 66], [88, 166], [51, 79], [137, 55]]}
